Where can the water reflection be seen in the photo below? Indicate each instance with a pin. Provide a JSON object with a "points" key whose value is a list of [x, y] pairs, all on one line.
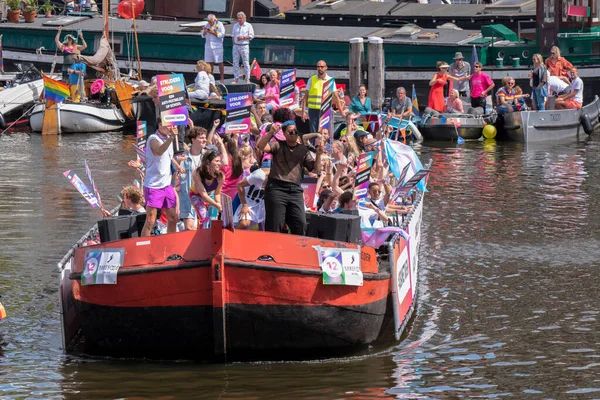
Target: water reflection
{"points": [[508, 301], [511, 274]]}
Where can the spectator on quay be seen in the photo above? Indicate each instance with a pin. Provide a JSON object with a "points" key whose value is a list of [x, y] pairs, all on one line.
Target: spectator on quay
{"points": [[481, 85], [214, 33], [539, 81], [558, 66], [459, 69], [361, 103], [284, 200], [242, 34], [574, 99], [454, 104], [158, 192]]}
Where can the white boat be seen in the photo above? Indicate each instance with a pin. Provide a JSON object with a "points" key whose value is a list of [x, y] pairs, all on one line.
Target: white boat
{"points": [[549, 125], [26, 87], [81, 118]]}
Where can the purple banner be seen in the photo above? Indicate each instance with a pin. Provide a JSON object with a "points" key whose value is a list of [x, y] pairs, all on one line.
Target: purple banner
{"points": [[326, 120], [172, 97], [82, 188], [286, 88], [363, 172], [238, 113]]}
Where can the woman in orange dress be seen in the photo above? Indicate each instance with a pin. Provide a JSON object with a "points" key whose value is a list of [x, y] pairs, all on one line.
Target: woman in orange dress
{"points": [[436, 99], [557, 65]]}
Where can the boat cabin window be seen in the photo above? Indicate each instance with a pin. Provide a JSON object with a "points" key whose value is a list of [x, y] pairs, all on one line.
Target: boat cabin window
{"points": [[279, 54], [549, 10], [219, 6], [115, 42]]}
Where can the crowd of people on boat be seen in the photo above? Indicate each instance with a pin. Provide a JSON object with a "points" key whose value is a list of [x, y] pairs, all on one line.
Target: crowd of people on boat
{"points": [[555, 78], [263, 171]]}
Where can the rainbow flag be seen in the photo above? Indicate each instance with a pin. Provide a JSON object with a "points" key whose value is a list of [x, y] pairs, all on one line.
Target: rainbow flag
{"points": [[54, 90]]}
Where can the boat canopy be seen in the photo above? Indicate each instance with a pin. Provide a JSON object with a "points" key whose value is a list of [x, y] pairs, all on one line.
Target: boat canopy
{"points": [[499, 31]]}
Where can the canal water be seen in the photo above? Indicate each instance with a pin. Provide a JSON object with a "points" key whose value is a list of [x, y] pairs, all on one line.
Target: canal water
{"points": [[508, 301]]}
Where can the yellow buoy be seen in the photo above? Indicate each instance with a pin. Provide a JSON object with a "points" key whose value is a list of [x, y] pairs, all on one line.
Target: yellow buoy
{"points": [[489, 131]]}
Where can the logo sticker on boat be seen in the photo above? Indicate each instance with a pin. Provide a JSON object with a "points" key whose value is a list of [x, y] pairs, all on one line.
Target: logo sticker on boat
{"points": [[100, 267], [340, 266]]}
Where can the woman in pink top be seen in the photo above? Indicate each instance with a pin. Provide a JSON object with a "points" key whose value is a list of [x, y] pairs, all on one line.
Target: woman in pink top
{"points": [[454, 103], [272, 91], [232, 166], [481, 85]]}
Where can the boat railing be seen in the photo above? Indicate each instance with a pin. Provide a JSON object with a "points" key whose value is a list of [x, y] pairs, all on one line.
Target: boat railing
{"points": [[89, 234], [581, 35]]}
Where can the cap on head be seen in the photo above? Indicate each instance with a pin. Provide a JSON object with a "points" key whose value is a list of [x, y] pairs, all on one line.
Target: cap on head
{"points": [[458, 56]]}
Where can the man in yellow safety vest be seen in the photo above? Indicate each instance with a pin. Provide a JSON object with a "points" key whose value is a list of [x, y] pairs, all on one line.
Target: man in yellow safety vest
{"points": [[314, 87]]}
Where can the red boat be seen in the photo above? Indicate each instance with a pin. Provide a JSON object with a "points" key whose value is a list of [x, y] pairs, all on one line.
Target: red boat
{"points": [[214, 294]]}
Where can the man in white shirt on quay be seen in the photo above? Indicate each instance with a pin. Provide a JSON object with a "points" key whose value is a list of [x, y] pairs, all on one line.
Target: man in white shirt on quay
{"points": [[242, 34], [214, 33]]}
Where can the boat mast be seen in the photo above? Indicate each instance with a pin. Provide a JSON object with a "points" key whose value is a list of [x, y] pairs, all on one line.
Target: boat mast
{"points": [[137, 47], [105, 9]]}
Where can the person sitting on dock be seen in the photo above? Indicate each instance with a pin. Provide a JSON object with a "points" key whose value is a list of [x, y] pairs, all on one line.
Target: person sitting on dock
{"points": [[201, 90], [361, 103], [454, 104], [66, 47], [574, 99], [214, 33], [458, 69], [481, 85], [284, 200], [76, 73], [158, 191], [505, 96], [402, 106], [558, 66]]}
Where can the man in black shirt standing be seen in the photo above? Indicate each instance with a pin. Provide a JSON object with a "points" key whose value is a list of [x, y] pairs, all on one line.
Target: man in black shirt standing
{"points": [[284, 200]]}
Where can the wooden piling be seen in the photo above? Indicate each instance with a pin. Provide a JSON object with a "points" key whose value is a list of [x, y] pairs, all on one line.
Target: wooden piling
{"points": [[357, 53], [376, 71]]}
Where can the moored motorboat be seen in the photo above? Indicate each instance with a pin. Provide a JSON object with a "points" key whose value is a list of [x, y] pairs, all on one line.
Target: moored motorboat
{"points": [[213, 294], [549, 125], [449, 126], [25, 89], [82, 118]]}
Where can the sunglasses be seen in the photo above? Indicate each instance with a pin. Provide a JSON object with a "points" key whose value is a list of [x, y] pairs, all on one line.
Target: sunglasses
{"points": [[477, 66], [294, 132], [553, 53], [326, 187], [511, 83]]}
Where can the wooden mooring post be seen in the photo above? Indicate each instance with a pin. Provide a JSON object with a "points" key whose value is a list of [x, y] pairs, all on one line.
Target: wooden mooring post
{"points": [[357, 54], [376, 71]]}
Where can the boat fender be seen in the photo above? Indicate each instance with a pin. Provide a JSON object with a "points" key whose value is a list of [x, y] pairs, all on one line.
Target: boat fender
{"points": [[586, 123], [2, 122]]}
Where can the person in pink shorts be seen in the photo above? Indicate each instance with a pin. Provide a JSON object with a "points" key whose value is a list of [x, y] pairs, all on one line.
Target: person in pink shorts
{"points": [[158, 191]]}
